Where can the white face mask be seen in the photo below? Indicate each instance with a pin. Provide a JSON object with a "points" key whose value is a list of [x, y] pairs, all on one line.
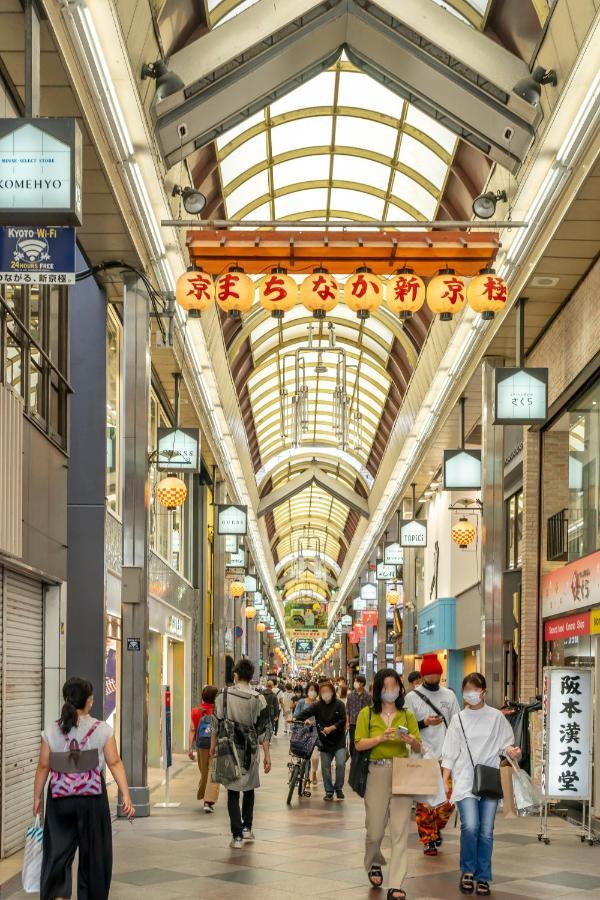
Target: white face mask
{"points": [[357, 685], [312, 695], [472, 697], [390, 696], [327, 696]]}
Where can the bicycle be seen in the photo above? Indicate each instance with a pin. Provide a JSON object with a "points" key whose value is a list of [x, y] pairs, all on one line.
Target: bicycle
{"points": [[302, 744]]}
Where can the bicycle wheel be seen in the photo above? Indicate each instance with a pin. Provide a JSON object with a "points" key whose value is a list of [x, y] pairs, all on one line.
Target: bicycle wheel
{"points": [[294, 776], [302, 780]]}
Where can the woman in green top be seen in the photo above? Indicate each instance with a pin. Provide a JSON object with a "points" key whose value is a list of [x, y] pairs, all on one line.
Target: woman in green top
{"points": [[377, 731]]}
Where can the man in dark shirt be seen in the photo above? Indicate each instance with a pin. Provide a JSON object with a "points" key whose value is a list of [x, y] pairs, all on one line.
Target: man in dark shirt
{"points": [[357, 700]]}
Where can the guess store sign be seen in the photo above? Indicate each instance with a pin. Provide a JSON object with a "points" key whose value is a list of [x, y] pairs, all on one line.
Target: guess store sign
{"points": [[567, 627]]}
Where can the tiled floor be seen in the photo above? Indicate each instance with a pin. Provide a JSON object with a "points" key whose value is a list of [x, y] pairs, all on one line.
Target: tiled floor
{"points": [[314, 849]]}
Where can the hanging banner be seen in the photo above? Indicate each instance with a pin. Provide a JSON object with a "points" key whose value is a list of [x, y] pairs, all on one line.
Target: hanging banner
{"points": [[178, 449], [369, 618], [393, 554], [354, 636], [232, 519], [413, 533], [305, 619], [304, 648], [385, 572], [568, 724], [462, 470], [520, 396]]}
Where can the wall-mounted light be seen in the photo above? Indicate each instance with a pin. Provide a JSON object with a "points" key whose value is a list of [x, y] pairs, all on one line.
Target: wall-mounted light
{"points": [[167, 82], [193, 201], [484, 206], [530, 87]]}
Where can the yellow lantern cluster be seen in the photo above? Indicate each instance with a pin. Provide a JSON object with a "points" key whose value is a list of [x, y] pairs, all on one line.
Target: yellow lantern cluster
{"points": [[260, 627], [236, 589], [234, 292], [195, 291], [337, 645], [463, 533], [277, 292], [250, 612], [446, 294], [171, 492], [405, 293], [487, 293], [363, 292], [320, 292], [392, 598]]}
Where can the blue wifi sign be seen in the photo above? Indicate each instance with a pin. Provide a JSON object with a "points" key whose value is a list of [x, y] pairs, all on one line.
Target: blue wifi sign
{"points": [[37, 254]]}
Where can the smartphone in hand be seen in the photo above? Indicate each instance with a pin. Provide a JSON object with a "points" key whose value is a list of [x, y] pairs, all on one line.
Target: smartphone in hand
{"points": [[402, 731]]}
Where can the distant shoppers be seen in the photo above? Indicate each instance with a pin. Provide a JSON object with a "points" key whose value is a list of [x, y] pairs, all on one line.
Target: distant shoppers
{"points": [[433, 706], [286, 698], [414, 681], [329, 714], [377, 731], [272, 704], [277, 689], [77, 810], [247, 710], [312, 693], [357, 700], [199, 740], [479, 735]]}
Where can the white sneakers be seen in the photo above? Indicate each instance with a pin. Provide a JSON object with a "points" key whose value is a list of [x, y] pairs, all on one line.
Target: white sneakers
{"points": [[236, 844], [247, 835]]}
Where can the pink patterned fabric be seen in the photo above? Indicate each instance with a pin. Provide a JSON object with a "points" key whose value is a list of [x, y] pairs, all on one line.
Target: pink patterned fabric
{"points": [[77, 784]]}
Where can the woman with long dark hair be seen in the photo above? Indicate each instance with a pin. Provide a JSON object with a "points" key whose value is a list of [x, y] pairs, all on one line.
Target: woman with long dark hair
{"points": [[387, 730], [74, 751]]}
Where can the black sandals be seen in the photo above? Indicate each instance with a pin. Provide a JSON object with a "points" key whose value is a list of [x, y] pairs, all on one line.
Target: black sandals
{"points": [[466, 884], [375, 872]]}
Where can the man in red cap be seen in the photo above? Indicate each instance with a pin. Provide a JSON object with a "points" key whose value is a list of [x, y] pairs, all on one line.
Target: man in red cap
{"points": [[433, 706]]}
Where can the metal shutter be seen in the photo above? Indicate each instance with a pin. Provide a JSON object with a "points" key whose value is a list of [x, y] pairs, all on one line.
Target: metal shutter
{"points": [[22, 686]]}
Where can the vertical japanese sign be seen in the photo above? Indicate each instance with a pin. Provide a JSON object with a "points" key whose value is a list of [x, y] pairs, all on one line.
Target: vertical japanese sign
{"points": [[167, 759], [568, 729]]}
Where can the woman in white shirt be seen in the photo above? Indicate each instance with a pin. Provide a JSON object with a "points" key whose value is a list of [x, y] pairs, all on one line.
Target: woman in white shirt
{"points": [[485, 732], [77, 810]]}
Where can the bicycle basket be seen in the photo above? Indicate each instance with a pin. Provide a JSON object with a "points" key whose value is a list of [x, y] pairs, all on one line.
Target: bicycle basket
{"points": [[303, 740]]}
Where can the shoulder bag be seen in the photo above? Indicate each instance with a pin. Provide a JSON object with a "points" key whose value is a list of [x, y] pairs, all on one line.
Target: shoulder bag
{"points": [[431, 706], [359, 768], [486, 779]]}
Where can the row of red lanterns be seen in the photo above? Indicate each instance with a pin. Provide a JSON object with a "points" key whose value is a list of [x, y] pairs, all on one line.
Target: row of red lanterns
{"points": [[405, 292]]}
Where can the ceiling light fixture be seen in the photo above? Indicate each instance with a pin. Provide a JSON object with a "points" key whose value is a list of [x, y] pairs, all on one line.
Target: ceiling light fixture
{"points": [[484, 206], [167, 82], [530, 87], [193, 201]]}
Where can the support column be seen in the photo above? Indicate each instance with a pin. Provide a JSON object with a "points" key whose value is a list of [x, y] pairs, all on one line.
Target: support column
{"points": [[381, 623], [219, 595], [529, 655], [492, 462], [202, 579], [32, 60], [344, 654], [134, 596]]}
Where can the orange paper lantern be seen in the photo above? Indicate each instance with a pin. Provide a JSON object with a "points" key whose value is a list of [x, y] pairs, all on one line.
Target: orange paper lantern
{"points": [[195, 291], [487, 293], [277, 292], [320, 292], [250, 612], [464, 533], [171, 492], [405, 293], [363, 292], [234, 292], [236, 589], [260, 627], [446, 294]]}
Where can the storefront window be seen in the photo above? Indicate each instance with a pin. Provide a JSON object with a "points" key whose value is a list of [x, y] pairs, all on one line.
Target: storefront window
{"points": [[514, 531], [584, 471], [113, 413]]}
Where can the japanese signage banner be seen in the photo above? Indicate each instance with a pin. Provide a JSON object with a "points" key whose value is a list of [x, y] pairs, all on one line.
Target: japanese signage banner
{"points": [[354, 637], [385, 572], [393, 554], [37, 255], [568, 717], [305, 619], [521, 396], [413, 533], [567, 627], [573, 586], [369, 617], [304, 647]]}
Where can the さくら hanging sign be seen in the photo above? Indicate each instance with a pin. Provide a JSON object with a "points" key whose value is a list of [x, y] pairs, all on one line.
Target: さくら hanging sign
{"points": [[568, 717], [178, 449], [413, 533], [40, 172], [520, 396], [232, 519]]}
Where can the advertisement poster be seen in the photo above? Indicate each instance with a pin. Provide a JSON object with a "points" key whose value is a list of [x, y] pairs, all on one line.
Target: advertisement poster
{"points": [[304, 648], [306, 619], [110, 683], [37, 255]]}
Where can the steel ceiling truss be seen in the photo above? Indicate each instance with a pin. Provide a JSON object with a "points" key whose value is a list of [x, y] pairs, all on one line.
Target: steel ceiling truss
{"points": [[264, 53]]}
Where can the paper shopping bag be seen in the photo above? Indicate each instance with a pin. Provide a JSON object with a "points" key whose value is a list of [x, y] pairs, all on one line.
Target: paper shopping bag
{"points": [[411, 776], [508, 801]]}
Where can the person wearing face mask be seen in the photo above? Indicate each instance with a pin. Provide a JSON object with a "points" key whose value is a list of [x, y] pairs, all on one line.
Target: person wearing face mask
{"points": [[387, 730], [433, 706], [479, 735], [357, 700], [312, 692], [329, 714]]}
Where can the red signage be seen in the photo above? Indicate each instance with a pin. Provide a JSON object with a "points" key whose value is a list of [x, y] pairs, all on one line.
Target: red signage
{"points": [[566, 627], [360, 630], [354, 637], [369, 617], [573, 586]]}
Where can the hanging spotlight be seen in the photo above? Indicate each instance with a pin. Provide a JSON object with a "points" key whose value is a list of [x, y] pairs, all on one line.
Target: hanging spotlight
{"points": [[195, 291], [487, 293], [446, 294], [405, 293], [277, 292], [363, 292], [171, 492], [234, 292], [463, 533], [167, 82], [530, 87], [319, 292], [193, 201], [484, 206]]}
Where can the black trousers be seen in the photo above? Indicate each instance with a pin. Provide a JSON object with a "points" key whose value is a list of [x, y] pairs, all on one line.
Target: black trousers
{"points": [[351, 733], [73, 823], [240, 820]]}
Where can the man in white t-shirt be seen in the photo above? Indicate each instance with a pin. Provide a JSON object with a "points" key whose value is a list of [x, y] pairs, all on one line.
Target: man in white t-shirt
{"points": [[433, 706]]}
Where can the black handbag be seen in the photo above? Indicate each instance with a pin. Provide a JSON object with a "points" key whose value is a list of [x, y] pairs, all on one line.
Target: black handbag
{"points": [[359, 768], [486, 779]]}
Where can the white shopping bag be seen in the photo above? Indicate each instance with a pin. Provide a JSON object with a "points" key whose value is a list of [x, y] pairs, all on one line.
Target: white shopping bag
{"points": [[32, 860], [440, 795], [528, 796]]}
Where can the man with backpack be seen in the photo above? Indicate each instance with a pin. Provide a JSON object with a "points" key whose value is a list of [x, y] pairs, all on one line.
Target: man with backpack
{"points": [[199, 738], [241, 724]]}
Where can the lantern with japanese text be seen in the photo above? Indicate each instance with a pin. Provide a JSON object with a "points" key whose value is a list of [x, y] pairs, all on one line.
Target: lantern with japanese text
{"points": [[319, 292], [250, 612], [234, 292], [487, 293], [236, 589], [446, 294], [393, 598], [171, 492], [195, 291], [463, 533], [260, 627], [363, 292], [277, 292], [405, 293]]}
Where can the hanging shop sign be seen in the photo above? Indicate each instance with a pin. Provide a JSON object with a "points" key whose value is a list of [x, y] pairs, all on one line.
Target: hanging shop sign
{"points": [[37, 254], [359, 603], [567, 627], [573, 586], [250, 584], [354, 636], [568, 717], [462, 470], [369, 618], [231, 543], [368, 592], [385, 572], [304, 647], [237, 560], [232, 519], [305, 619], [178, 449], [520, 396], [40, 172], [175, 626], [393, 554], [346, 621], [413, 533]]}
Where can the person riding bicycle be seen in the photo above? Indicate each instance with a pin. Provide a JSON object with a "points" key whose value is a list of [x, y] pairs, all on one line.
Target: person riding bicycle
{"points": [[312, 692], [330, 716]]}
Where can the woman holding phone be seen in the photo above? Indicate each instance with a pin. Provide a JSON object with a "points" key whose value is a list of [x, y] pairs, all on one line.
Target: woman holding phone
{"points": [[386, 730]]}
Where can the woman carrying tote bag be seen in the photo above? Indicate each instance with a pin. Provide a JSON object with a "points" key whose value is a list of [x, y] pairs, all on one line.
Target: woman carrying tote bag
{"points": [[475, 742], [386, 731]]}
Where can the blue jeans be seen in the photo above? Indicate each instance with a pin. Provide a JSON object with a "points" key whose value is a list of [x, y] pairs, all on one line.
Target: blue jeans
{"points": [[327, 757], [477, 816]]}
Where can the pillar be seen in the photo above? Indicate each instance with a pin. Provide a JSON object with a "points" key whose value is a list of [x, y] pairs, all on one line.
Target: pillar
{"points": [[219, 595], [381, 623]]}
